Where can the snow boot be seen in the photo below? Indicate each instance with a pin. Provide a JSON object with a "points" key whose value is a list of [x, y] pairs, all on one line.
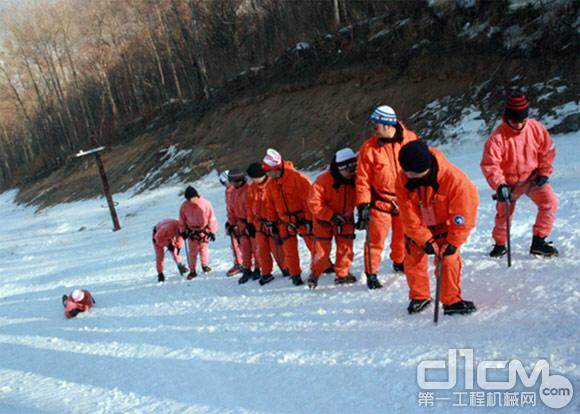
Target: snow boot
{"points": [[312, 282], [266, 279], [373, 282], [247, 275], [329, 270], [498, 251], [182, 269], [256, 274], [234, 270], [64, 298], [285, 272], [540, 247], [206, 269], [161, 277], [417, 305], [297, 280], [462, 307], [345, 280], [191, 275], [398, 267]]}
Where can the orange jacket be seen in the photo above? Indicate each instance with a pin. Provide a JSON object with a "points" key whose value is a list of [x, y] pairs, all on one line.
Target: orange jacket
{"points": [[377, 170], [454, 205], [257, 203], [511, 156], [167, 232], [286, 196], [325, 200], [237, 205]]}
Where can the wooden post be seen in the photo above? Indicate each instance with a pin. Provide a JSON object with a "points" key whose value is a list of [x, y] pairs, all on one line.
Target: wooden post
{"points": [[104, 182]]}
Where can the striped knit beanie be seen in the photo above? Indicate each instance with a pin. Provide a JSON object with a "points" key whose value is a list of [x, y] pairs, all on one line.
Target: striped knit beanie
{"points": [[272, 160], [384, 115], [516, 108]]}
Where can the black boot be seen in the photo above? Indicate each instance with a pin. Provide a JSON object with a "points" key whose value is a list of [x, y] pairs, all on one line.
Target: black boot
{"points": [[256, 274], [160, 277], [64, 298], [542, 248], [398, 267], [246, 275], [373, 282], [417, 305], [498, 251], [285, 272], [462, 307], [206, 269], [297, 280], [329, 270], [182, 269], [192, 274], [266, 279], [345, 280], [312, 282]]}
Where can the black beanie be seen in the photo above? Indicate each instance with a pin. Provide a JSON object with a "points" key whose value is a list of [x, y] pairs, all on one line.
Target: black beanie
{"points": [[415, 157], [190, 192], [255, 170]]}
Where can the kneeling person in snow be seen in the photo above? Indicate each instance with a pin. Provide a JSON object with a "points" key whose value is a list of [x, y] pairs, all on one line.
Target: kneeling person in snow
{"points": [[79, 300], [517, 160], [438, 207], [197, 224], [166, 234], [332, 200]]}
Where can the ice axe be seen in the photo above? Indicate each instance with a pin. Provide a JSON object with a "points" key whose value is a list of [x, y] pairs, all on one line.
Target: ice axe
{"points": [[508, 227], [437, 286]]}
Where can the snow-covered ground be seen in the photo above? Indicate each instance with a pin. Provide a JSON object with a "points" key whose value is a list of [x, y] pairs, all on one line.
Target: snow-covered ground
{"points": [[210, 345]]}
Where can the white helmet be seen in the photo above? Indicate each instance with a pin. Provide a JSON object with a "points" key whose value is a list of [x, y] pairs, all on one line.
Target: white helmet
{"points": [[77, 295]]}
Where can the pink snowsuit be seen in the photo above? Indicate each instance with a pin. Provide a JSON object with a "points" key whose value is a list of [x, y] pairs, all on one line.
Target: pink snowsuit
{"points": [[238, 217], [198, 216], [81, 306], [517, 158], [235, 245], [165, 234]]}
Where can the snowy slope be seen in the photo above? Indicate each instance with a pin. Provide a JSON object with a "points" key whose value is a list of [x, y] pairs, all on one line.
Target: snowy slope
{"points": [[211, 345]]}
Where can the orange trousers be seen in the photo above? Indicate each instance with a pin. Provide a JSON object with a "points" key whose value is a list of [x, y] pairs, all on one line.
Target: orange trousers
{"points": [[266, 248], [323, 236], [290, 247], [416, 271], [377, 233]]}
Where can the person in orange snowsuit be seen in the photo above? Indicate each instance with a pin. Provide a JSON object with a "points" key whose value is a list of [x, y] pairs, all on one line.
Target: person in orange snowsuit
{"points": [[197, 224], [166, 235], [234, 242], [288, 212], [518, 159], [438, 209], [268, 245], [332, 201], [376, 201], [79, 300], [241, 228]]}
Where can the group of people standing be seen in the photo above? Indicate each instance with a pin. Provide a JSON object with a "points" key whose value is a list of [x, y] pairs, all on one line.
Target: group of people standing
{"points": [[395, 184]]}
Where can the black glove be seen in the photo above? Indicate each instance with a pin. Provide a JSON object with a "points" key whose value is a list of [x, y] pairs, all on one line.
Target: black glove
{"points": [[449, 250], [503, 193], [251, 229], [210, 236], [338, 220], [364, 216], [229, 229], [186, 234], [170, 247], [540, 180], [308, 225], [271, 228], [428, 248]]}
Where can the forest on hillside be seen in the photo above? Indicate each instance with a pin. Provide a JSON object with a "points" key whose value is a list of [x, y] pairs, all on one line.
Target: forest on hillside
{"points": [[73, 70]]}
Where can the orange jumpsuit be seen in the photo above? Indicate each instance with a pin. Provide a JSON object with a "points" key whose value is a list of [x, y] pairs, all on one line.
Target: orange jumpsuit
{"points": [[329, 196], [286, 203], [237, 210], [442, 213], [377, 169], [267, 246]]}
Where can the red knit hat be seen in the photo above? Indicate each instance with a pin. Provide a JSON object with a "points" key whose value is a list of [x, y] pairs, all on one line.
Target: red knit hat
{"points": [[516, 108]]}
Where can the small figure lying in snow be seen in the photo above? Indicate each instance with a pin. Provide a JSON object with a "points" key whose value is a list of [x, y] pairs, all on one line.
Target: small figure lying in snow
{"points": [[79, 300]]}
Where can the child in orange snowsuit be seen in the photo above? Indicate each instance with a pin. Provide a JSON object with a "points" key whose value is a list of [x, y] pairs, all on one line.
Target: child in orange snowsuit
{"points": [[79, 300], [166, 235]]}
